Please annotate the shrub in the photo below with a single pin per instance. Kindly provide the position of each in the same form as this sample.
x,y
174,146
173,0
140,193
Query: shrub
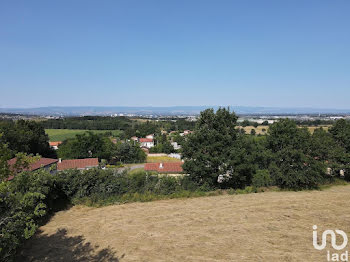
x,y
24,203
262,178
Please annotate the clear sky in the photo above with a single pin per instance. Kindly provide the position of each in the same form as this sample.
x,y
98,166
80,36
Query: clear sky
x,y
292,53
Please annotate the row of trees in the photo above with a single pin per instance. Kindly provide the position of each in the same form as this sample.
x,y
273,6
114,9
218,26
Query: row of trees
x,y
130,127
252,123
100,146
219,155
89,123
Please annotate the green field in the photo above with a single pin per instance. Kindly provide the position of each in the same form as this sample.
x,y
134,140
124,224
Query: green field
x,y
63,134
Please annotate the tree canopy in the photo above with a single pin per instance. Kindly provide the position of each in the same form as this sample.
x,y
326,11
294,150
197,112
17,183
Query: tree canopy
x,y
98,145
207,151
27,137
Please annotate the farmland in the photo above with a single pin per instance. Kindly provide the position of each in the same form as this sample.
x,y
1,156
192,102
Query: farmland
x,y
62,134
263,129
270,226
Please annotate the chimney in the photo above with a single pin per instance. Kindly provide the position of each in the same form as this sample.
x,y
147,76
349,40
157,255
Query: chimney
x,y
60,160
161,165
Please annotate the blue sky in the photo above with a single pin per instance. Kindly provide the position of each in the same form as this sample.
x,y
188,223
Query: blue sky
x,y
292,53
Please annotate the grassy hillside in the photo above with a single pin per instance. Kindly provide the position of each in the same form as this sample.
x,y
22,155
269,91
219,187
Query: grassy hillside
x,y
62,134
271,226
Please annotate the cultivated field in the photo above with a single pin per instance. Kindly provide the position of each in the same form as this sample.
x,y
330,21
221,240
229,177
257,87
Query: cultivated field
x,y
62,134
273,226
263,129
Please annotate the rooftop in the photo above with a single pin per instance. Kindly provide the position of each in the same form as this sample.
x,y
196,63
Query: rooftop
x,y
144,140
77,163
173,167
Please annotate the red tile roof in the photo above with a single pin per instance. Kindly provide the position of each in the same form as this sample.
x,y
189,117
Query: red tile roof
x,y
77,164
143,140
42,162
172,167
56,143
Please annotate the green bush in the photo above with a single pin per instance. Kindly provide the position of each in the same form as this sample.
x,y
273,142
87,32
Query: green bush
x,y
262,178
24,203
29,198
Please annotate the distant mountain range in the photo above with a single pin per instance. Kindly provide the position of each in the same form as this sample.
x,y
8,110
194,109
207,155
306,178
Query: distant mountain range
x,y
164,111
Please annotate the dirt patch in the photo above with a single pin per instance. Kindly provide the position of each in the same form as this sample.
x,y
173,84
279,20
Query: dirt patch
x,y
273,226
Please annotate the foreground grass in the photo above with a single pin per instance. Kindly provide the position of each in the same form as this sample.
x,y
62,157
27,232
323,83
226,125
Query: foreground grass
x,y
269,226
63,134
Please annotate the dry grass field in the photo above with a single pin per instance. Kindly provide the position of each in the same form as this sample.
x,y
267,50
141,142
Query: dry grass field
x,y
259,130
263,129
271,226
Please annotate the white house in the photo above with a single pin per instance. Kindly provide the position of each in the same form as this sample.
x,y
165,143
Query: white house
x,y
175,145
146,142
150,136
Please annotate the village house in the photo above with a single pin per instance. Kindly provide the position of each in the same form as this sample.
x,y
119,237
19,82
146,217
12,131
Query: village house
x,y
171,168
80,164
42,163
150,136
55,145
146,142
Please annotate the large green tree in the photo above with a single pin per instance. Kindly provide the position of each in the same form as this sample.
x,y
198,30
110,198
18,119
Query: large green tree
x,y
341,133
293,166
325,148
207,151
86,145
27,137
126,152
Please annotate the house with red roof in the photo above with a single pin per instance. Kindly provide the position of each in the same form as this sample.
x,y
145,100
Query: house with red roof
x,y
146,142
42,163
54,145
165,168
80,164
150,136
